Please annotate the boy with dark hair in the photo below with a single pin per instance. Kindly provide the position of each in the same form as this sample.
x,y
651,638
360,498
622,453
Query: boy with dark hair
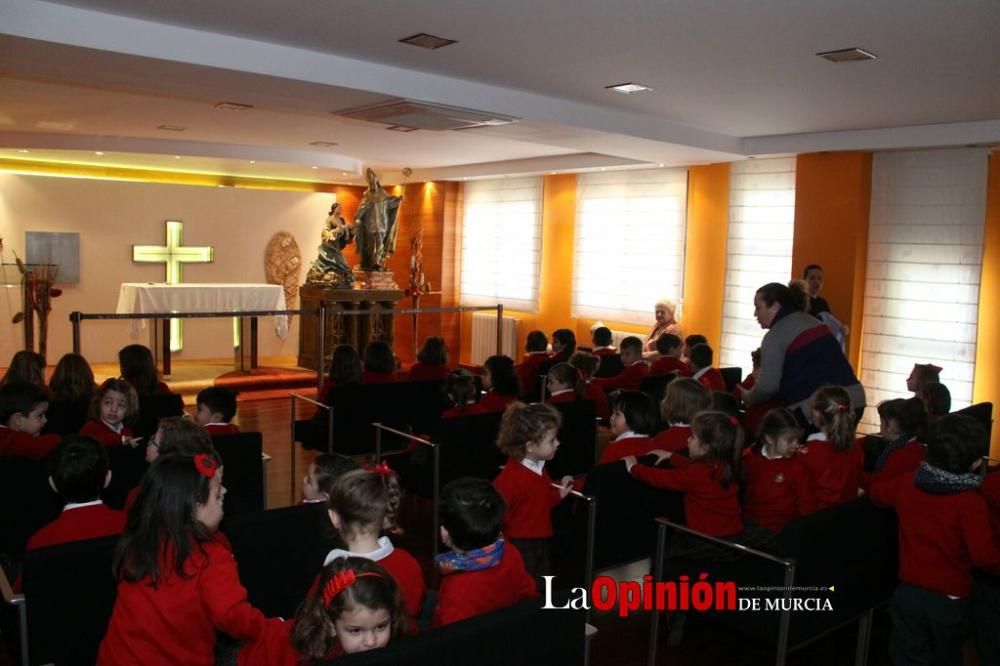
x,y
635,369
669,346
689,342
937,400
482,573
603,342
944,532
216,408
22,417
528,370
79,473
701,363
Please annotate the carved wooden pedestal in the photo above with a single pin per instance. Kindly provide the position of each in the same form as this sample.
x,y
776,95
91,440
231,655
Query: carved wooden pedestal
x,y
343,329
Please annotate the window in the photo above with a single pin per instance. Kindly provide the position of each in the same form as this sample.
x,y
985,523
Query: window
x,y
925,249
629,243
759,249
501,242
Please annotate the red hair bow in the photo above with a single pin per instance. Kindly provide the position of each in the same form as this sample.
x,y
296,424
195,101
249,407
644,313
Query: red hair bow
x,y
205,464
734,421
381,469
338,583
841,408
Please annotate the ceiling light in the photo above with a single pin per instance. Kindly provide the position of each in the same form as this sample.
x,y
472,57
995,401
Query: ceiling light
x,y
323,144
22,150
847,55
401,128
628,88
253,161
177,157
425,41
98,152
661,165
603,169
171,128
233,106
315,167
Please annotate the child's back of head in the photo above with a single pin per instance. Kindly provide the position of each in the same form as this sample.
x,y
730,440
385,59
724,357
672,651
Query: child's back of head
x,y
25,367
668,344
692,340
434,352
684,398
366,500
536,342
503,377
522,424
908,416
601,336
219,402
638,410
472,513
701,356
721,437
586,363
461,387
833,413
138,368
955,443
330,467
72,379
345,365
176,434
19,399
79,469
379,357
936,398
565,339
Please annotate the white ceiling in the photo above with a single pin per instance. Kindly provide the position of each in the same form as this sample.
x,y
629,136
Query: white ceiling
x,y
730,79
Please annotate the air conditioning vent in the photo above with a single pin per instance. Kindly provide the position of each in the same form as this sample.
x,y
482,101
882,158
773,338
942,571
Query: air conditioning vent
x,y
424,116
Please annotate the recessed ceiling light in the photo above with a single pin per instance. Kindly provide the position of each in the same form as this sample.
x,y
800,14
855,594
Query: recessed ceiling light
x,y
847,55
661,165
323,144
253,161
171,128
98,152
233,106
315,167
401,128
22,150
425,41
603,169
628,88
177,157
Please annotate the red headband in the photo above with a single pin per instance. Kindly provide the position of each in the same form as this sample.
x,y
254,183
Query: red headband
x,y
205,464
342,580
381,469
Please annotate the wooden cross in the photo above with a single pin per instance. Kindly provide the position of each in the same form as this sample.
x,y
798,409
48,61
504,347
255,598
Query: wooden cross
x,y
174,254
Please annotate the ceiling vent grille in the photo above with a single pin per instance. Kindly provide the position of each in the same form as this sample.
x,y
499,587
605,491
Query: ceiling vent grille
x,y
847,55
424,116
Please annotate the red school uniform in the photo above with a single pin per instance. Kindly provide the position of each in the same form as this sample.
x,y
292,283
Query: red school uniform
x,y
175,622
495,402
990,490
79,522
458,412
941,537
222,429
711,379
673,439
776,490
528,370
904,460
627,444
466,594
274,648
709,507
530,499
670,365
604,351
420,372
628,379
370,377
17,443
399,564
104,433
835,475
590,392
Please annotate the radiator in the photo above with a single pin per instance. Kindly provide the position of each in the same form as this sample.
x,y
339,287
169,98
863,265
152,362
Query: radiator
x,y
618,336
484,336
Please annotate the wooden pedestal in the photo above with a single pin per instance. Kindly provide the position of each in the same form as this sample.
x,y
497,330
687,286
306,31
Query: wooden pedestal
x,y
341,328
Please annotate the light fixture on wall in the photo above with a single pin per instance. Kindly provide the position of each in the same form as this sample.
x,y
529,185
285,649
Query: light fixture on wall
x,y
629,88
426,41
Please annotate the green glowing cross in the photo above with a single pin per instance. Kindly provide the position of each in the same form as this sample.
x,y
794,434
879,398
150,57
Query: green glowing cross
x,y
174,255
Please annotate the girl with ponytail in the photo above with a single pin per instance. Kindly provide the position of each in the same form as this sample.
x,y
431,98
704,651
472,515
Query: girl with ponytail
x,y
834,460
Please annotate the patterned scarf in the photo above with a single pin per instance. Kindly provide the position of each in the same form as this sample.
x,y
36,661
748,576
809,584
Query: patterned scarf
x,y
890,446
937,481
472,560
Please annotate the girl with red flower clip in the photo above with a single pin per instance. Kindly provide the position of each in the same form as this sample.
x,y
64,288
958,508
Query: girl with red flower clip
x,y
836,463
178,583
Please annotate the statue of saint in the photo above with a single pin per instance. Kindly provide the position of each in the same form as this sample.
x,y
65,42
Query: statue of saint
x,y
375,222
330,267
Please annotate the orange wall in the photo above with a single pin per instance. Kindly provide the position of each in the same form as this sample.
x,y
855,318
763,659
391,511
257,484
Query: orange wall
x,y
986,385
705,251
832,201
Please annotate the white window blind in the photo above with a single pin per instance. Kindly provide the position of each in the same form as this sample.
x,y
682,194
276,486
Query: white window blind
x,y
759,249
501,242
629,243
925,250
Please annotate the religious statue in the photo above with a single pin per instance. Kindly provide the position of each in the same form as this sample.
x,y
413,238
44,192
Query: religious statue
x,y
330,267
375,221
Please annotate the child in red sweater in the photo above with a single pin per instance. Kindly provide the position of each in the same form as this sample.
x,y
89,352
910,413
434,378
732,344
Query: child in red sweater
x,y
432,361
483,572
379,363
22,417
944,532
461,388
115,406
586,365
528,370
633,423
528,438
669,346
684,399
776,485
216,408
835,461
362,506
701,359
322,474
178,582
635,368
900,424
500,383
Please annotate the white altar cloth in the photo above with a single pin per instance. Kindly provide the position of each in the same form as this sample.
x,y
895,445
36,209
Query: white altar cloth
x,y
161,298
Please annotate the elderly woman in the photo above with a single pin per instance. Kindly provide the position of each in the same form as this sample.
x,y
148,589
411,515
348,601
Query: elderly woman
x,y
665,323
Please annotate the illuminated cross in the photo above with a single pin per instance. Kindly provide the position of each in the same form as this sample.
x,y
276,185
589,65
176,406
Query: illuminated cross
x,y
174,255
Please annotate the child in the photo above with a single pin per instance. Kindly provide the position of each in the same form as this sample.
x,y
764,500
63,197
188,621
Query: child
x,y
216,408
586,365
701,365
754,415
483,573
26,367
668,346
685,398
834,460
563,384
937,400
461,388
174,434
345,370
114,407
776,484
528,438
322,474
137,367
633,423
79,474
922,374
363,505
563,345
707,478
72,379
944,532
601,337
178,582
751,379
500,382
901,422
380,364
689,343
432,361
22,417
529,368
635,368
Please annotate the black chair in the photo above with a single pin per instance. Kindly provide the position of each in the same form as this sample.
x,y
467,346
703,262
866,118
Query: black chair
x,y
610,366
66,417
243,471
355,408
26,502
427,400
152,408
982,412
732,377
655,386
577,439
128,465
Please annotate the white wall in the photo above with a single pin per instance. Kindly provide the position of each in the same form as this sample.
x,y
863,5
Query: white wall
x,y
111,216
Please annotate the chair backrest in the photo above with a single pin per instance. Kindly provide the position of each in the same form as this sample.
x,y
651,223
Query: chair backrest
x,y
611,365
577,439
243,471
982,412
655,386
426,400
128,465
66,417
26,502
279,553
732,377
355,408
152,408
468,447
69,592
